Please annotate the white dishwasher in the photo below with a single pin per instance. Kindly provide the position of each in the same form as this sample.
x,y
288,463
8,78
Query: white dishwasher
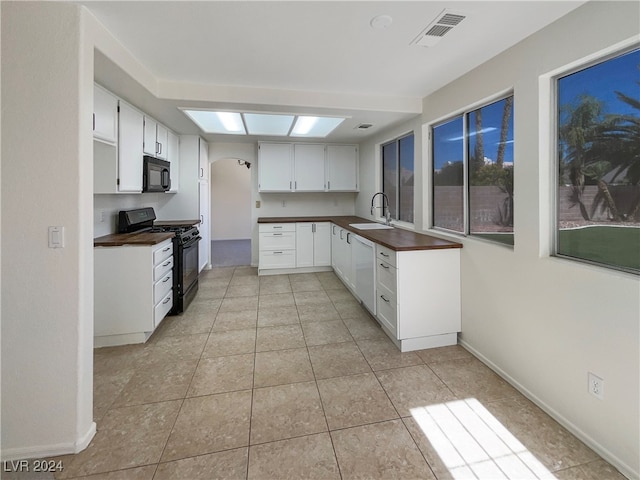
x,y
364,258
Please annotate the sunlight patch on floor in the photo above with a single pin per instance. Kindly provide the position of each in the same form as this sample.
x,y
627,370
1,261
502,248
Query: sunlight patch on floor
x,y
473,444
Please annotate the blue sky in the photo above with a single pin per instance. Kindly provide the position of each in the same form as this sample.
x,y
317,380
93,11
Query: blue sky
x,y
448,141
600,81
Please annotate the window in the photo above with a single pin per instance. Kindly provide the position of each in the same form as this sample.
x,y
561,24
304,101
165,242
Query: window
x,y
598,152
473,172
398,177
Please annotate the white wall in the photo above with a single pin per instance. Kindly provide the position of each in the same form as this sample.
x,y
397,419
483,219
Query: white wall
x,y
230,200
544,322
106,208
47,308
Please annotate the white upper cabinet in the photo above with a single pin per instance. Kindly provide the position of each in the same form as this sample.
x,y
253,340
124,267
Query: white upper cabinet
x,y
155,138
275,167
162,139
118,168
105,115
308,168
342,168
149,141
173,157
130,155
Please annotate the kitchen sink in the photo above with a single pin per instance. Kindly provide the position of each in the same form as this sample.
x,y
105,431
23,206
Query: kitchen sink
x,y
370,226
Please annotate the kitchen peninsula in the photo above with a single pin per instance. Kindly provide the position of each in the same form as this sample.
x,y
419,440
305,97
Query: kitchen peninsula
x,y
413,280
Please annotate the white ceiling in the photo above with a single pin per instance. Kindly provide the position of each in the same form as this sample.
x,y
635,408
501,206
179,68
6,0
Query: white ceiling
x,y
305,57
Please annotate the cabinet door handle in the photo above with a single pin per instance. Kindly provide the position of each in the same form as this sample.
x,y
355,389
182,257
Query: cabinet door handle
x,y
348,235
166,300
333,229
290,188
313,228
166,279
278,226
383,298
166,263
341,234
329,185
94,122
202,172
384,266
278,253
166,249
384,254
201,219
277,234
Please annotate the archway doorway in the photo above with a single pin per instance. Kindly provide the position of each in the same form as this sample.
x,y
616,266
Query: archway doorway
x,y
230,212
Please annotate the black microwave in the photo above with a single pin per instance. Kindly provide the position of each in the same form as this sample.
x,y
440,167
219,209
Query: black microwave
x,y
156,175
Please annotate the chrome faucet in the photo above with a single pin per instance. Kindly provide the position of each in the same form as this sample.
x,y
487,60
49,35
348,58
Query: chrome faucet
x,y
385,206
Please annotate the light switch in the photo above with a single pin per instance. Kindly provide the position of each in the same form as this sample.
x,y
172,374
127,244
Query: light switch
x,y
56,237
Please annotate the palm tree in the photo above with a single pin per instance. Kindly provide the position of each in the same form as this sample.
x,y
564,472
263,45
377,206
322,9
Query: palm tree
x,y
504,130
577,133
615,157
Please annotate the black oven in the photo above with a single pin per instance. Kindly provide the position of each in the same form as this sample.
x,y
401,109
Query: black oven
x,y
186,283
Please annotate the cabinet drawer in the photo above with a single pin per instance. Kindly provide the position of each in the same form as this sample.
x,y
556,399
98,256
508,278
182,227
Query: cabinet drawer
x,y
162,287
276,227
386,255
162,269
387,312
277,241
277,259
163,252
162,308
386,276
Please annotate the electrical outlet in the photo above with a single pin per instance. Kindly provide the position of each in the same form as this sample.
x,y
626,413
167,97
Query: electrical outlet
x,y
257,203
284,203
596,386
103,216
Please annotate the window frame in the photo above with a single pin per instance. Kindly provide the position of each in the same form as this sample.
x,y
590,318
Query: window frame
x,y
555,158
381,146
463,113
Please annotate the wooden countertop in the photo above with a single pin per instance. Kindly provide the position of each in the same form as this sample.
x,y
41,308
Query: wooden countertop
x,y
396,239
120,239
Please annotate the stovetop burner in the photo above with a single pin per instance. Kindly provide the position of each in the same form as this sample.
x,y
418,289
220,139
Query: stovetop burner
x,y
184,233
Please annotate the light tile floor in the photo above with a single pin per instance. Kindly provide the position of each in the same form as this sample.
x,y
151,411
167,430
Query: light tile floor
x,y
287,377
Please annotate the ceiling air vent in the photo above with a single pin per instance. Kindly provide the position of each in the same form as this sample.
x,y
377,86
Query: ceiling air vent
x,y
363,126
438,29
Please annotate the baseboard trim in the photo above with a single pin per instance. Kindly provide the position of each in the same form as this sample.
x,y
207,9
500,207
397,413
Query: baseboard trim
x,y
622,467
46,451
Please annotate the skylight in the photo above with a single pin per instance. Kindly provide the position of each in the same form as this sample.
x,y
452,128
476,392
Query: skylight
x,y
262,124
268,124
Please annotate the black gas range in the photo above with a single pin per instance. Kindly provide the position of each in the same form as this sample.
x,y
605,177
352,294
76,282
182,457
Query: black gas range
x,y
185,250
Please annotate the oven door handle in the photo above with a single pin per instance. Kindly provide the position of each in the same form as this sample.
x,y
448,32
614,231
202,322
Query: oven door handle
x,y
191,242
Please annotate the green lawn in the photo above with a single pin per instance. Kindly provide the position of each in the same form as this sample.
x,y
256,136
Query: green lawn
x,y
618,246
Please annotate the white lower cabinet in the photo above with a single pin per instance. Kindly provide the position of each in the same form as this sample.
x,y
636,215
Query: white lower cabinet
x,y
132,292
342,259
313,244
294,247
277,246
418,296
